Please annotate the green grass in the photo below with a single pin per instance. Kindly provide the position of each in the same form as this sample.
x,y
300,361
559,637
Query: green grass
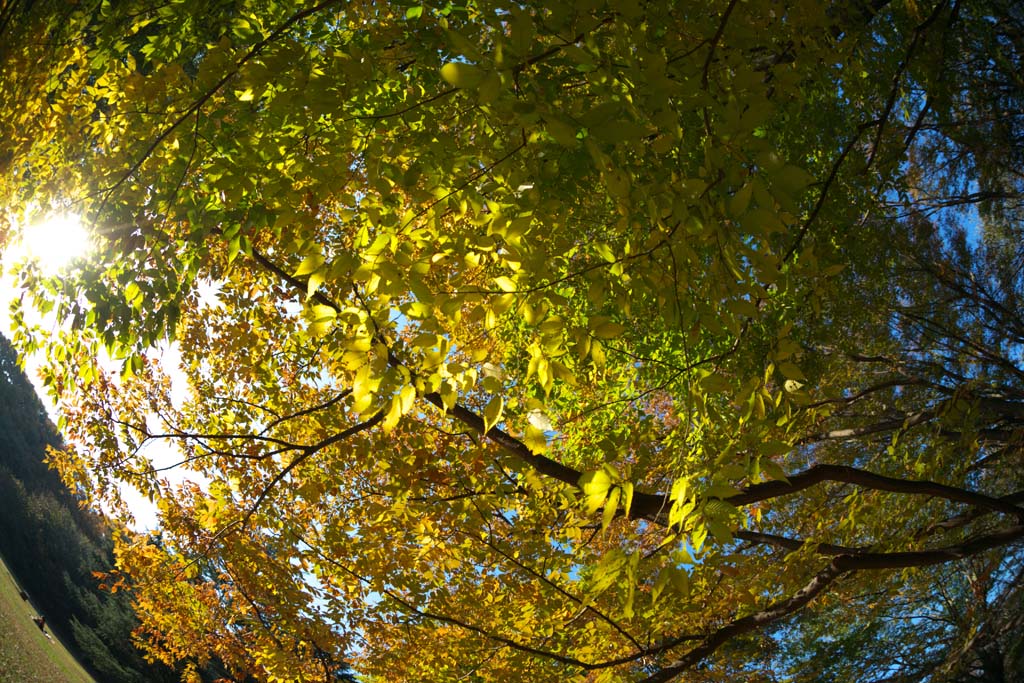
x,y
26,655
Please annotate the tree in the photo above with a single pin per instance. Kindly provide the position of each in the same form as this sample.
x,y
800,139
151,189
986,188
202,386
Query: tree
x,y
589,341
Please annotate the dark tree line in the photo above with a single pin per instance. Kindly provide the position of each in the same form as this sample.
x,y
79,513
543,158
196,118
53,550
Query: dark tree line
x,y
53,546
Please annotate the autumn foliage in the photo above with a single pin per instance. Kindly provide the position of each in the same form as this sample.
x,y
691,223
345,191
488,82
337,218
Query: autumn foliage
x,y
538,341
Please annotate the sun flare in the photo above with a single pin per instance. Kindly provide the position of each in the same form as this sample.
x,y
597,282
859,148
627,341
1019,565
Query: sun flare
x,y
55,241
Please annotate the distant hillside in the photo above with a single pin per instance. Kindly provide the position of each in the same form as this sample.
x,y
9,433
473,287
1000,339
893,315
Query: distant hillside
x,y
52,546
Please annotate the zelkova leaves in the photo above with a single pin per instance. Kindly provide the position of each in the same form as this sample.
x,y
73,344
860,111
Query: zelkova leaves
x,y
560,341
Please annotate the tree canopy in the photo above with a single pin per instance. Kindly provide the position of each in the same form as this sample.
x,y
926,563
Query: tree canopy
x,y
596,340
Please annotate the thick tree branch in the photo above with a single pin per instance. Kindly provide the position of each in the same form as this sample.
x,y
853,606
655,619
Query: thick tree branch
x,y
851,475
925,558
543,465
903,422
793,544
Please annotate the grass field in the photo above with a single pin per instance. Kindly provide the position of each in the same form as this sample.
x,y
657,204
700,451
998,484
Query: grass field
x,y
26,655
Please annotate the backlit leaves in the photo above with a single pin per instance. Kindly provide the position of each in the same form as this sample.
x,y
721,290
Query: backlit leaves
x,y
519,311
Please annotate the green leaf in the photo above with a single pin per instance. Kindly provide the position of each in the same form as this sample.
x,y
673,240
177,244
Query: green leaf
x,y
740,201
424,340
680,579
605,252
563,133
720,530
793,179
609,330
489,88
791,371
773,470
721,491
659,585
715,383
608,570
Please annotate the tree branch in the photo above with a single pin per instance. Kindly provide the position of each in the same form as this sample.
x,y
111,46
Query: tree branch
x,y
851,475
819,583
307,452
904,422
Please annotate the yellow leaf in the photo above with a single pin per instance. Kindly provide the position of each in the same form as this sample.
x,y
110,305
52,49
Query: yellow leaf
x,y
309,265
608,330
544,376
393,415
406,398
610,507
448,395
535,440
315,280
492,412
627,491
321,327
595,487
505,283
462,75
321,312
